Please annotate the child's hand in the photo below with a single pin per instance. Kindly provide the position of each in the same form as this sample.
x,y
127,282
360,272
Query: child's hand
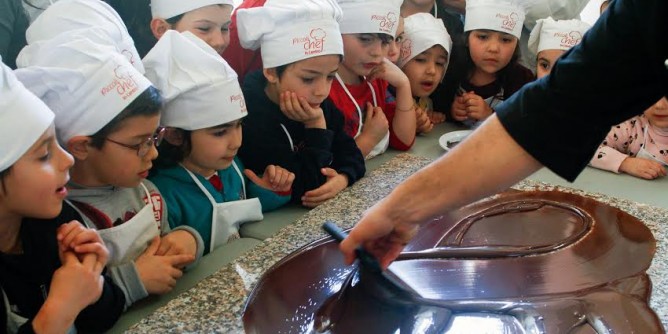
x,y
334,184
177,242
159,273
389,72
77,238
436,117
74,286
275,178
375,124
297,109
423,123
643,168
476,107
458,109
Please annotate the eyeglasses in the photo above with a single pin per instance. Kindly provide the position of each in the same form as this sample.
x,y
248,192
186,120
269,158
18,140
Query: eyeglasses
x,y
145,146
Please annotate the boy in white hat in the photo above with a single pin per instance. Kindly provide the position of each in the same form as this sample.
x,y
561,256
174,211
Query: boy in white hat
x,y
206,19
291,123
197,171
107,114
51,264
488,72
550,39
364,75
73,16
425,53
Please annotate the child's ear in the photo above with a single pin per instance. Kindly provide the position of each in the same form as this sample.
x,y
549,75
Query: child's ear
x,y
78,147
159,27
174,136
271,75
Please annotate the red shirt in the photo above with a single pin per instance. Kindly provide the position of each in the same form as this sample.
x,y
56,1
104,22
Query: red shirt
x,y
362,94
242,60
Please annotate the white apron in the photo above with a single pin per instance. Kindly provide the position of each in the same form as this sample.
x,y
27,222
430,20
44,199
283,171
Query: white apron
x,y
643,153
228,216
129,240
381,147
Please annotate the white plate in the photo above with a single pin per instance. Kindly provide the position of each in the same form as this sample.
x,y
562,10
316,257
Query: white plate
x,y
454,136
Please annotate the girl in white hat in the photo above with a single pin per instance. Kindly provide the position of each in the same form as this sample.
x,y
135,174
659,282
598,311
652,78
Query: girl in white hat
x,y
550,39
425,53
359,90
198,173
50,264
206,19
488,72
639,146
290,121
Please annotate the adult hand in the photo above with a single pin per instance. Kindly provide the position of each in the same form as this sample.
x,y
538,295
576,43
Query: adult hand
x,y
643,168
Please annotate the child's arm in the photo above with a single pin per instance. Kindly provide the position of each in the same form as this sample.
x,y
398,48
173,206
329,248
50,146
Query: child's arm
x,y
273,189
403,123
373,131
614,149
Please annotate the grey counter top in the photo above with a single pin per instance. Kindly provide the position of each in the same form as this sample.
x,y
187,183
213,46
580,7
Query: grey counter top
x,y
216,303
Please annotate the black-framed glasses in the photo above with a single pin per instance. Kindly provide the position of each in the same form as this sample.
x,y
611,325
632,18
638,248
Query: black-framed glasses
x,y
145,146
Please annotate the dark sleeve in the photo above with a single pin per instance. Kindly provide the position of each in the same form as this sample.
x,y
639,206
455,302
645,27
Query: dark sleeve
x,y
13,25
617,72
265,143
348,158
102,315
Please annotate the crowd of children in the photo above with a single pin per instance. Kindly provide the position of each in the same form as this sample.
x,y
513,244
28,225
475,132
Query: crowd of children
x,y
118,173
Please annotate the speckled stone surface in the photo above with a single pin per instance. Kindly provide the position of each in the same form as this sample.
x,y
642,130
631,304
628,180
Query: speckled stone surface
x,y
215,305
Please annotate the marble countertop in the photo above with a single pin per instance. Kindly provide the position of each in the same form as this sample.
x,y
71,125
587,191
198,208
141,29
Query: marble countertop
x,y
216,303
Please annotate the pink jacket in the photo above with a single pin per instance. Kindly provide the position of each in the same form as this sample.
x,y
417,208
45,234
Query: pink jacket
x,y
626,139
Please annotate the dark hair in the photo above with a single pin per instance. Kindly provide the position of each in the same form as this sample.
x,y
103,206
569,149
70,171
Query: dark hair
x,y
281,69
3,175
136,15
148,103
170,155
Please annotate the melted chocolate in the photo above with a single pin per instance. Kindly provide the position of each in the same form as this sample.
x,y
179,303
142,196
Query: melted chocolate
x,y
538,262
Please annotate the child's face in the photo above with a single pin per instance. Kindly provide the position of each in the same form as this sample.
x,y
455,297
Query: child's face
x,y
657,115
117,165
545,60
214,148
426,70
309,78
362,53
490,50
35,186
210,23
394,48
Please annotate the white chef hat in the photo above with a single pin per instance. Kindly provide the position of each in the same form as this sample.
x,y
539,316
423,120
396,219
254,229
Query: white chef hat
x,y
291,30
370,16
85,83
165,9
421,32
66,16
549,34
23,118
200,89
498,15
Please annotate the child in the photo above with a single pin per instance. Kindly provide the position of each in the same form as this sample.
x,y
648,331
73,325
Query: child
x,y
549,39
424,59
394,47
197,171
364,75
639,146
488,73
50,266
72,16
291,123
208,20
107,113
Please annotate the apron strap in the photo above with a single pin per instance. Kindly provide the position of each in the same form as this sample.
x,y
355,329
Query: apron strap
x,y
350,96
292,145
241,176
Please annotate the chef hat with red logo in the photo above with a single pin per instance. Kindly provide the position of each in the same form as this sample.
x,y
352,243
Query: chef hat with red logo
x,y
499,15
549,34
23,118
200,89
370,16
291,30
421,32
85,83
